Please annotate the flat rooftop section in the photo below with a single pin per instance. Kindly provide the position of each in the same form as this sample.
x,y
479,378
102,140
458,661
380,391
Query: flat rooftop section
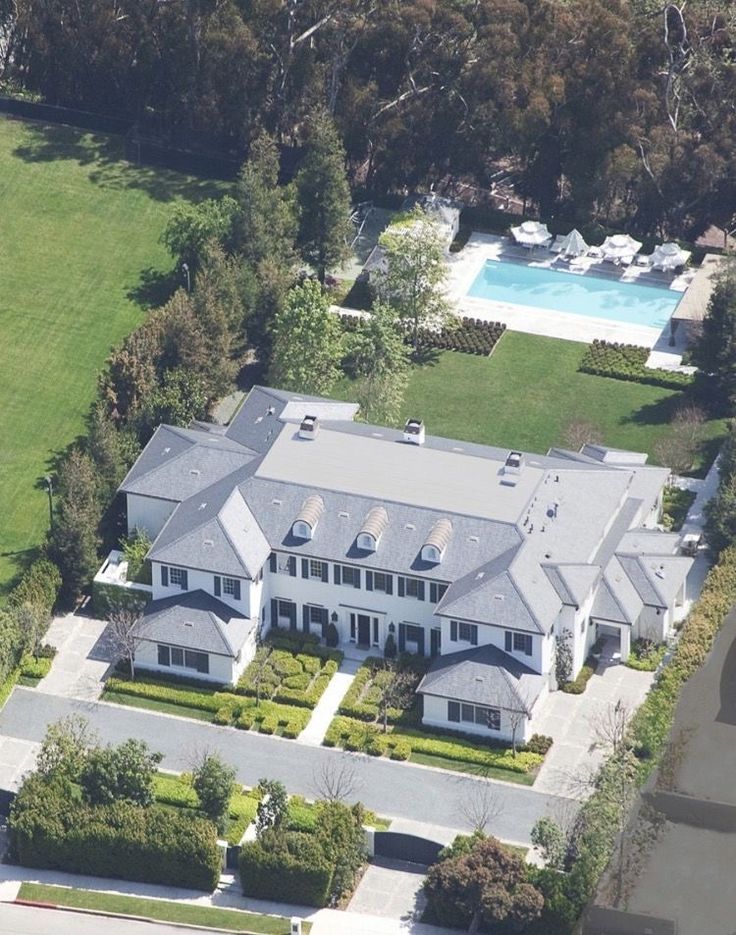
x,y
401,472
694,304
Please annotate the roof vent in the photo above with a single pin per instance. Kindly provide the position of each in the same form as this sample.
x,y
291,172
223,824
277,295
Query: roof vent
x,y
277,502
195,472
481,574
498,597
208,543
414,432
202,505
188,623
514,463
167,450
344,514
473,539
270,411
309,427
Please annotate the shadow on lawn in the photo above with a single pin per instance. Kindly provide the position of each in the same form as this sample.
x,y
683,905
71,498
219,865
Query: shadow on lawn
x,y
105,156
659,413
154,288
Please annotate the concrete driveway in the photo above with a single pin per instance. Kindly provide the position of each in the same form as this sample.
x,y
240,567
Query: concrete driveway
x,y
391,888
83,656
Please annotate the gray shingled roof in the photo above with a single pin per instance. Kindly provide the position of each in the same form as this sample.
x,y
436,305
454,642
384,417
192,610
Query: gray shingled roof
x,y
484,675
195,620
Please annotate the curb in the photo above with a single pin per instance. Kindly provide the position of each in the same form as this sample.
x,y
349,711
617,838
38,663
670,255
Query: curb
x,y
185,926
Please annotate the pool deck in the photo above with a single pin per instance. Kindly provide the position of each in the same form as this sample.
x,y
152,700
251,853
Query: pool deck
x,y
465,266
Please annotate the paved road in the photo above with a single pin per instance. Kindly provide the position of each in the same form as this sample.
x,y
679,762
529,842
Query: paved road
x,y
25,920
392,789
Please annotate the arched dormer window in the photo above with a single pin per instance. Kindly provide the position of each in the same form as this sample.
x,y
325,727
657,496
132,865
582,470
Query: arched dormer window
x,y
366,542
431,554
375,522
433,550
302,530
305,523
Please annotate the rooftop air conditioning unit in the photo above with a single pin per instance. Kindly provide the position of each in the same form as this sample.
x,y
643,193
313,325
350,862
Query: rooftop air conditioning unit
x,y
309,427
414,432
514,463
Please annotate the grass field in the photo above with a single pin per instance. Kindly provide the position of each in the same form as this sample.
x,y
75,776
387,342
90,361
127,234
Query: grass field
x,y
231,920
526,393
79,240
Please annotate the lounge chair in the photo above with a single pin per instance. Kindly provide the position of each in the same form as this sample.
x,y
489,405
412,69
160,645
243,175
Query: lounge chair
x,y
556,245
626,260
641,260
595,252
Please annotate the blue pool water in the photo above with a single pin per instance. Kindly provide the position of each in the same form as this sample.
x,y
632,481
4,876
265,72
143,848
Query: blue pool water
x,y
588,294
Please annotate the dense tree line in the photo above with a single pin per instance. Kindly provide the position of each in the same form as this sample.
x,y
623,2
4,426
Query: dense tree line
x,y
604,111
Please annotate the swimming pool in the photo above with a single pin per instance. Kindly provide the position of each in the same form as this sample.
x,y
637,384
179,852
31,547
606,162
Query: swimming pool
x,y
587,294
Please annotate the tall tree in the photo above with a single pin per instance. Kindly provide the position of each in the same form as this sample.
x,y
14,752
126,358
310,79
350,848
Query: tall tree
x,y
414,278
325,229
307,343
214,783
381,362
715,351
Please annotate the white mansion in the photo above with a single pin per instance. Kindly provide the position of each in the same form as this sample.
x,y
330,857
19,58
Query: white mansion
x,y
294,515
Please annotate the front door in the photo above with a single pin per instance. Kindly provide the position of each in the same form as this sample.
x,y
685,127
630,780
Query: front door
x,y
364,630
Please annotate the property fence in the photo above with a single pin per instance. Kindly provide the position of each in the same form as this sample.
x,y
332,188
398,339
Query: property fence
x,y
407,847
68,116
599,921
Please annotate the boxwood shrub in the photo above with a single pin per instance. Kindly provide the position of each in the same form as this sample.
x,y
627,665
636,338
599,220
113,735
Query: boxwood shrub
x,y
50,830
292,863
628,362
580,683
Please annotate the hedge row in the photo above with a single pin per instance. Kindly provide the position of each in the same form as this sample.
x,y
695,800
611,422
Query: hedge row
x,y
580,683
399,744
469,336
296,641
363,698
178,792
645,656
294,864
52,831
628,362
225,707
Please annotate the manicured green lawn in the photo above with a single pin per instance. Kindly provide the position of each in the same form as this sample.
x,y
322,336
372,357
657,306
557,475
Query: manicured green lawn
x,y
79,228
456,766
527,392
162,910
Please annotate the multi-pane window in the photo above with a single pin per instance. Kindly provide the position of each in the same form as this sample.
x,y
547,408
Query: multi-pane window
x,y
348,575
316,568
436,592
317,615
382,582
286,564
474,714
231,586
523,643
412,587
179,658
178,578
467,632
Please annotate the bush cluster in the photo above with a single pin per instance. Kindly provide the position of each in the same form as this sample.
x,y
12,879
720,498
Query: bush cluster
x,y
363,698
25,620
296,641
178,792
400,743
628,362
287,676
49,830
36,667
645,655
580,683
469,336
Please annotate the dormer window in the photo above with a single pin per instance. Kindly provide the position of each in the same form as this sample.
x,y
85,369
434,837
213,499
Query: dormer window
x,y
375,522
436,543
305,524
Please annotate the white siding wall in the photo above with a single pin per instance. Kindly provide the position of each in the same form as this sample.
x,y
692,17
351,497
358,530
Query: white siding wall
x,y
653,626
148,513
435,715
496,636
250,592
222,669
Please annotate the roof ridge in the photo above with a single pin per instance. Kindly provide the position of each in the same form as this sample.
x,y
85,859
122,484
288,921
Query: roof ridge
x,y
510,573
613,596
226,534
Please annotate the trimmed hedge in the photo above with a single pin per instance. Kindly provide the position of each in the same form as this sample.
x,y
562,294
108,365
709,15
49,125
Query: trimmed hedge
x,y
289,676
579,684
292,863
628,362
645,656
361,700
469,336
400,743
50,830
178,792
35,667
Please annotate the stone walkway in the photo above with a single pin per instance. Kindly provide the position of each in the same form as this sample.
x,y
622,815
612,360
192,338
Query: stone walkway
x,y
83,657
326,708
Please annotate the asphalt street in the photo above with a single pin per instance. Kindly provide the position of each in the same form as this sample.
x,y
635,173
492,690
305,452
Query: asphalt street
x,y
27,920
392,789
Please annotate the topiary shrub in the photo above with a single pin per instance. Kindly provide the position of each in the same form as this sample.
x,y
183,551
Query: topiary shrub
x,y
291,862
332,637
389,648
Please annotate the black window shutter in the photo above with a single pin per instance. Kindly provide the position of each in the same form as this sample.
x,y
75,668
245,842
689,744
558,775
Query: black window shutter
x,y
337,573
508,642
369,581
433,592
218,585
401,586
305,618
453,711
325,572
528,647
292,616
272,561
420,641
237,591
184,580
453,631
389,584
420,590
356,577
274,612
164,576
402,636
292,566
474,635
305,568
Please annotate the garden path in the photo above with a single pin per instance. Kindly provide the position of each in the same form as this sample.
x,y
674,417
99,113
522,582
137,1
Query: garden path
x,y
82,659
326,708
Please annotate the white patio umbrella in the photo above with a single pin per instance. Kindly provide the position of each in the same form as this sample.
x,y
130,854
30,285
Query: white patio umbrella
x,y
573,244
531,234
669,255
619,246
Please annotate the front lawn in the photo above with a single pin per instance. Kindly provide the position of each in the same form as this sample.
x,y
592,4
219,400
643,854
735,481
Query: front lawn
x,y
207,704
178,792
80,232
529,390
232,920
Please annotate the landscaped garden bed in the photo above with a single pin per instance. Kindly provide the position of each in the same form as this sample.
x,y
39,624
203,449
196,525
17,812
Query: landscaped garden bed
x,y
33,668
578,685
219,707
645,655
363,699
675,505
628,362
405,743
177,791
290,669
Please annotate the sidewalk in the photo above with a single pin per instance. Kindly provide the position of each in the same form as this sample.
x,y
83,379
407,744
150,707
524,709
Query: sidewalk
x,y
227,896
326,709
